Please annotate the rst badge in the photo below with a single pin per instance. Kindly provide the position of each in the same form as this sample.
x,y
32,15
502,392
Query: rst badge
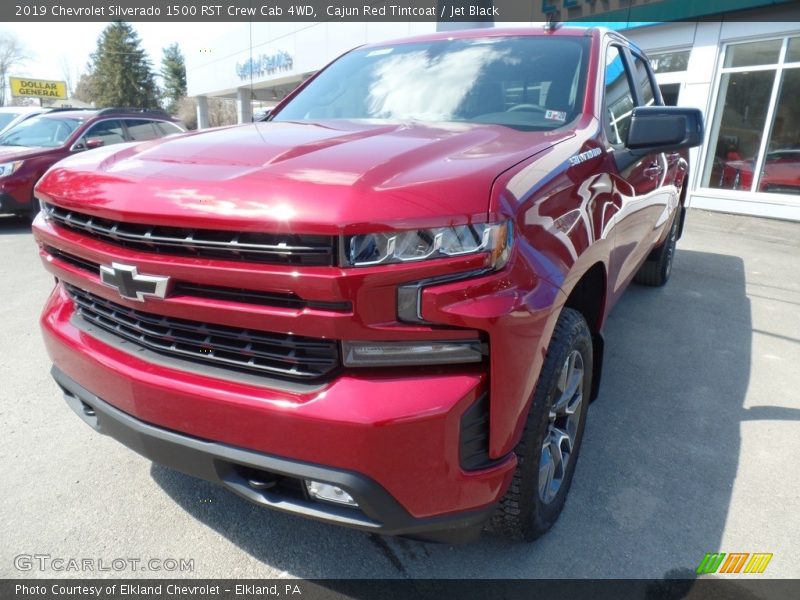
x,y
584,156
131,284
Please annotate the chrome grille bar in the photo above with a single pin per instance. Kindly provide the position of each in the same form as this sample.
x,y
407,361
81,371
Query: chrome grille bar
x,y
300,249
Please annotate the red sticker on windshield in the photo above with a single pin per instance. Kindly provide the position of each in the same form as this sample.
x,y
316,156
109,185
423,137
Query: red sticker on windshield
x,y
555,115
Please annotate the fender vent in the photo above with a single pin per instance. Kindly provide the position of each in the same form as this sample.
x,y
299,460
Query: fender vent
x,y
474,442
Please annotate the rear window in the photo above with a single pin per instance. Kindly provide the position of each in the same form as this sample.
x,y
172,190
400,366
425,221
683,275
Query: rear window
x,y
141,130
167,128
522,82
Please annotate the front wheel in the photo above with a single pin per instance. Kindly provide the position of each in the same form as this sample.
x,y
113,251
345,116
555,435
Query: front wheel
x,y
548,450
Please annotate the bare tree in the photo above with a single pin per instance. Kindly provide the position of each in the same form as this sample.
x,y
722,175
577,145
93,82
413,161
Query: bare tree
x,y
84,89
71,75
12,54
221,111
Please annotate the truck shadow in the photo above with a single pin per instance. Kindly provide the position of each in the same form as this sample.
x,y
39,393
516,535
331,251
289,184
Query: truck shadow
x,y
653,486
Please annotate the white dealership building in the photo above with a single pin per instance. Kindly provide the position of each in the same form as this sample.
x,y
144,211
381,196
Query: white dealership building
x,y
742,71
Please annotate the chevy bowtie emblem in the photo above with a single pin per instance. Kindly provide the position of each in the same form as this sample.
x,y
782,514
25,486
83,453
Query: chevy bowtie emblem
x,y
130,284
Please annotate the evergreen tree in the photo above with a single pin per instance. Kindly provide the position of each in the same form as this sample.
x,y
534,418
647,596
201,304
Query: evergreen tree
x,y
121,73
173,70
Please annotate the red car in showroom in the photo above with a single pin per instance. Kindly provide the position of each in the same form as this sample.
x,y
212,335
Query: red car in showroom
x,y
382,307
31,147
780,174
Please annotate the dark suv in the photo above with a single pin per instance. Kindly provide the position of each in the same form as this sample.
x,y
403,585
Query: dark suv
x,y
384,306
31,147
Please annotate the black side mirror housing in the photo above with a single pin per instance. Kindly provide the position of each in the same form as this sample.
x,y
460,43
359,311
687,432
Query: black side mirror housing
x,y
664,128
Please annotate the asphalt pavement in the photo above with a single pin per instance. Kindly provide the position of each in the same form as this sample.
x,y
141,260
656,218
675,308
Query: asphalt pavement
x,y
692,447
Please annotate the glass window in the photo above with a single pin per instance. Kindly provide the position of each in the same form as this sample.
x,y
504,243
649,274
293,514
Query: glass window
x,y
739,126
670,62
108,131
523,82
643,80
168,128
141,130
781,170
753,53
745,152
6,118
618,98
793,53
40,131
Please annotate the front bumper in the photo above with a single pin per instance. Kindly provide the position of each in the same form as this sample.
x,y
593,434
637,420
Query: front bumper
x,y
9,204
399,430
234,467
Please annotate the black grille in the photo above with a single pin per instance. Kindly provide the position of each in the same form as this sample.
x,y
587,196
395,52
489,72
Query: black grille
x,y
197,290
290,249
279,355
75,261
284,300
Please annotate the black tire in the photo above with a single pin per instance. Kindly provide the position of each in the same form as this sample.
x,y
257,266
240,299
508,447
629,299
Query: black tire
x,y
523,513
656,271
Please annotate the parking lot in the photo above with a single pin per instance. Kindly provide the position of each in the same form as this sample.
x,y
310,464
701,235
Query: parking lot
x,y
692,447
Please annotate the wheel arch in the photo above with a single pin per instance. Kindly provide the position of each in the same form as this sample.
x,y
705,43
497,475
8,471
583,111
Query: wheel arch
x,y
589,296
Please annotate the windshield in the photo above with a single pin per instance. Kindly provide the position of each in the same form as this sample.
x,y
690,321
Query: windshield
x,y
40,131
522,82
6,118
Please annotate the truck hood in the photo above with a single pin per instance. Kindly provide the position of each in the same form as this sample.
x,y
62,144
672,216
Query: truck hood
x,y
324,177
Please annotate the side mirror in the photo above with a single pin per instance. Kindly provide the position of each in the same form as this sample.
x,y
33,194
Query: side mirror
x,y
664,128
94,143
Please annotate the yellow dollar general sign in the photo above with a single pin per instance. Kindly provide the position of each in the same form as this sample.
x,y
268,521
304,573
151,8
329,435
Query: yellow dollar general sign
x,y
38,88
734,562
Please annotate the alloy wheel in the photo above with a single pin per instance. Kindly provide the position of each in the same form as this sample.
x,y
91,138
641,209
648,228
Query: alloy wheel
x,y
562,428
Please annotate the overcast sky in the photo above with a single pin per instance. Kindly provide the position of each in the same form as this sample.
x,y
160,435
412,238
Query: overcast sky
x,y
52,45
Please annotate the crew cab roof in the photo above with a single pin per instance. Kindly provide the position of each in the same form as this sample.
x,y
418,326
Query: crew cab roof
x,y
490,32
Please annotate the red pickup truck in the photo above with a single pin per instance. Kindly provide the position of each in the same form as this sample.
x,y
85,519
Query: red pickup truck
x,y
382,307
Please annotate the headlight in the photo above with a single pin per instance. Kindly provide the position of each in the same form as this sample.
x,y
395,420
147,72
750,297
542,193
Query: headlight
x,y
422,244
9,167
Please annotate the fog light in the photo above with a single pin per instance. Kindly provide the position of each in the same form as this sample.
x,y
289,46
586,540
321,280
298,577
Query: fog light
x,y
329,493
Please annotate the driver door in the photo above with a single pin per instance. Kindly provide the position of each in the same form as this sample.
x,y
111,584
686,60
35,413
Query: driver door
x,y
109,131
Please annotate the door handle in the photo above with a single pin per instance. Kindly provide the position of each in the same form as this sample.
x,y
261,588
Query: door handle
x,y
654,170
